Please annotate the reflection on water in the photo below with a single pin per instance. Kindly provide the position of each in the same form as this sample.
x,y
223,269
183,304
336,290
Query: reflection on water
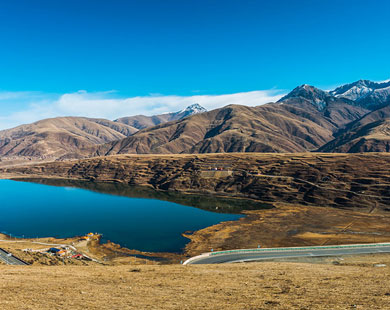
x,y
136,218
204,202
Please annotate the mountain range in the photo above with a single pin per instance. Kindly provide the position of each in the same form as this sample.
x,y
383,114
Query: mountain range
x,y
351,118
76,137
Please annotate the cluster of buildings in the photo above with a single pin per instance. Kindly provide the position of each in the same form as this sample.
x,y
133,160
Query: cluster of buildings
x,y
60,251
66,251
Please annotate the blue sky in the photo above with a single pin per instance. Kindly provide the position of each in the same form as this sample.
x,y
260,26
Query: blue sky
x,y
60,57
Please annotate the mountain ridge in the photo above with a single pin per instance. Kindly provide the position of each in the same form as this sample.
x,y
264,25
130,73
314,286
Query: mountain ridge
x,y
306,119
271,127
367,93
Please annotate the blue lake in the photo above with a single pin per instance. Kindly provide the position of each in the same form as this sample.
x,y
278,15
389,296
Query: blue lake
x,y
36,210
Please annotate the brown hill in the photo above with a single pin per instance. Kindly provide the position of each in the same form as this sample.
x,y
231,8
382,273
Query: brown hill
x,y
294,125
369,134
62,137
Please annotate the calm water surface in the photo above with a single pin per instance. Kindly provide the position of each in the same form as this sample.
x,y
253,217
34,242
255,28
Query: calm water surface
x,y
36,210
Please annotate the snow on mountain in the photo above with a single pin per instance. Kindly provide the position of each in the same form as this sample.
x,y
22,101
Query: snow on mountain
x,y
192,109
367,93
316,96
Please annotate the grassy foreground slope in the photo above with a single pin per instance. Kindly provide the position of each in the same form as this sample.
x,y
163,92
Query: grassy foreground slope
x,y
347,285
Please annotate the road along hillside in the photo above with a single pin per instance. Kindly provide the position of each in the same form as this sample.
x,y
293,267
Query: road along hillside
x,y
247,255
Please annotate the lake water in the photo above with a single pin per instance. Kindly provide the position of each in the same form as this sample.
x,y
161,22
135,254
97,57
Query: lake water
x,y
35,210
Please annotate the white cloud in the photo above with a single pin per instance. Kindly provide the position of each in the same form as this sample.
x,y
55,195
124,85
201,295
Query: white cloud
x,y
108,105
383,81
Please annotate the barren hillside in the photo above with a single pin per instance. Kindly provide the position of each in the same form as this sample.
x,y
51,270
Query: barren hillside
x,y
368,134
62,137
292,127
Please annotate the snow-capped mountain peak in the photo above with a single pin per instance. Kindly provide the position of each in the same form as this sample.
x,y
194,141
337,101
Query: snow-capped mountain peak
x,y
367,93
194,109
188,111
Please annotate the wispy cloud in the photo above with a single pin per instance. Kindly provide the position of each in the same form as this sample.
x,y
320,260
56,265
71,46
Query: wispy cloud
x,y
383,81
31,107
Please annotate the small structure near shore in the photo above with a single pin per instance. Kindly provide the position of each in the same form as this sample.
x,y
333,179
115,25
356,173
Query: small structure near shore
x,y
53,250
91,236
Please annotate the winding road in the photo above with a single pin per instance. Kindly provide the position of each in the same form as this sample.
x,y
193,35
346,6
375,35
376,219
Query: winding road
x,y
9,259
247,255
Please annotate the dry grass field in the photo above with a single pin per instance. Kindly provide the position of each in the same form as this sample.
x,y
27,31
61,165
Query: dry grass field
x,y
269,285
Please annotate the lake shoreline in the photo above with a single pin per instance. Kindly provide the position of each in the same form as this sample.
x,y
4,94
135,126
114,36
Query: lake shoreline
x,y
113,251
107,253
302,225
343,181
314,195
